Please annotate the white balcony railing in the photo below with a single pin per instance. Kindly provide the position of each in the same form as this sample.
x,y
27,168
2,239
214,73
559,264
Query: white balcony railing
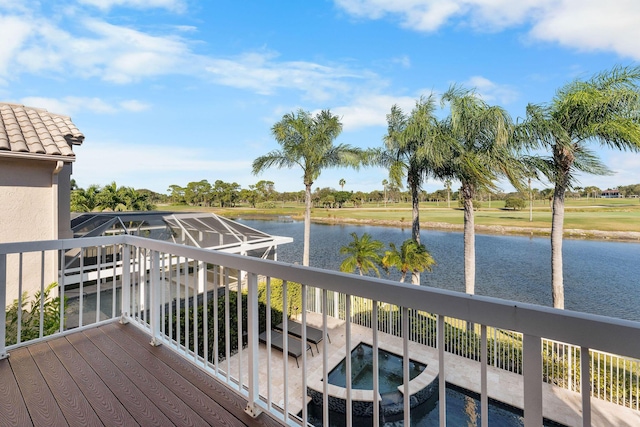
x,y
211,307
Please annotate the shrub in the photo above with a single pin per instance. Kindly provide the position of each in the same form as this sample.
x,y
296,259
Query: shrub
x,y
30,316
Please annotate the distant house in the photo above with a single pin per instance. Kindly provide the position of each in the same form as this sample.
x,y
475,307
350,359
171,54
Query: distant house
x,y
611,194
36,158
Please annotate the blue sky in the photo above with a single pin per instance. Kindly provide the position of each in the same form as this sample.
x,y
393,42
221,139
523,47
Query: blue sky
x,y
172,91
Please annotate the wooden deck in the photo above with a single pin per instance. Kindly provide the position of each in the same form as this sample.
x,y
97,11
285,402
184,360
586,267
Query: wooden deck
x,y
111,376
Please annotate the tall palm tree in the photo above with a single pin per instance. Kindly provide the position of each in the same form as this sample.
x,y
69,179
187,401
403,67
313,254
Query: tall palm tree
x,y
406,135
384,186
342,182
480,154
306,141
604,110
412,257
447,184
363,255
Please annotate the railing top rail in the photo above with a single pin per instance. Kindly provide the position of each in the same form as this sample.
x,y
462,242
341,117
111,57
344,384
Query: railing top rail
x,y
613,335
62,244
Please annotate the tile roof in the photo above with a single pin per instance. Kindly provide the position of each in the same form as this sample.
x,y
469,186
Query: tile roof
x,y
30,130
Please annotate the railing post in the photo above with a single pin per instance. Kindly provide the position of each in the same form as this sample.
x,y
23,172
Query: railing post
x,y
252,342
3,305
442,384
126,285
484,393
154,306
585,385
532,375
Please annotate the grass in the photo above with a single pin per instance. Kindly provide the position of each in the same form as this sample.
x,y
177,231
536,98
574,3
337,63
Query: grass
x,y
621,215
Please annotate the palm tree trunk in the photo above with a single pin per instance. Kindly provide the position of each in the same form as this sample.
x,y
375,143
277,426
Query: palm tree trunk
x,y
469,241
307,224
415,222
557,226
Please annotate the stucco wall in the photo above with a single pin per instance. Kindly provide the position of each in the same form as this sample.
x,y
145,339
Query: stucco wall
x,y
28,211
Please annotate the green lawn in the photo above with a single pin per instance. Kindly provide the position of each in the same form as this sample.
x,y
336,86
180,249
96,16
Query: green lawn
x,y
585,214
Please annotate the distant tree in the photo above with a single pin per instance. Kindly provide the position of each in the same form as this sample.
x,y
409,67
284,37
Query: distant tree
x,y
363,254
84,200
412,257
515,203
342,182
603,110
447,185
306,142
109,198
341,197
177,194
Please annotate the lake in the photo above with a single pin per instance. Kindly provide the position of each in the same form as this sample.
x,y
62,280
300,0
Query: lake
x,y
600,277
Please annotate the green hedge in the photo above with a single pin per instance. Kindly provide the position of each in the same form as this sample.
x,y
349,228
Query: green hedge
x,y
171,320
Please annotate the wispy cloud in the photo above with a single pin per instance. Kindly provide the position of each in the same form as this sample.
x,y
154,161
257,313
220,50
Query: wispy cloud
x,y
491,91
590,25
93,48
172,5
72,104
264,74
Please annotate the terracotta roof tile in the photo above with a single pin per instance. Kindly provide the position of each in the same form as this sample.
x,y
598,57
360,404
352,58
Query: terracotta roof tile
x,y
37,131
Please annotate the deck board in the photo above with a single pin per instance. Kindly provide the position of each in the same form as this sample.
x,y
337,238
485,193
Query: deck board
x,y
74,406
107,407
110,375
134,400
38,397
230,401
13,411
184,390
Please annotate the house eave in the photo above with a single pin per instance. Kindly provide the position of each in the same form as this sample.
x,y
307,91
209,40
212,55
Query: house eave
x,y
35,156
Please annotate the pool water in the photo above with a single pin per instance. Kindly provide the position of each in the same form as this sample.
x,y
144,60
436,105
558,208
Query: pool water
x,y
389,368
463,409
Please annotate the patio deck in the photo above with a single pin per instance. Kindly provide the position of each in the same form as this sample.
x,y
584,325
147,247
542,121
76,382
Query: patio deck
x,y
110,375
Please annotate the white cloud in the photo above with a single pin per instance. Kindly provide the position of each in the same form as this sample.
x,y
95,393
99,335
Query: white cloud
x,y
13,33
580,24
173,5
492,92
71,104
371,110
593,25
134,105
112,53
262,73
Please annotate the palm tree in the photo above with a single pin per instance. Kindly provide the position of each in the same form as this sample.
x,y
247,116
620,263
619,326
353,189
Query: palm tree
x,y
412,257
447,184
406,135
603,110
307,142
479,155
384,186
363,255
342,182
